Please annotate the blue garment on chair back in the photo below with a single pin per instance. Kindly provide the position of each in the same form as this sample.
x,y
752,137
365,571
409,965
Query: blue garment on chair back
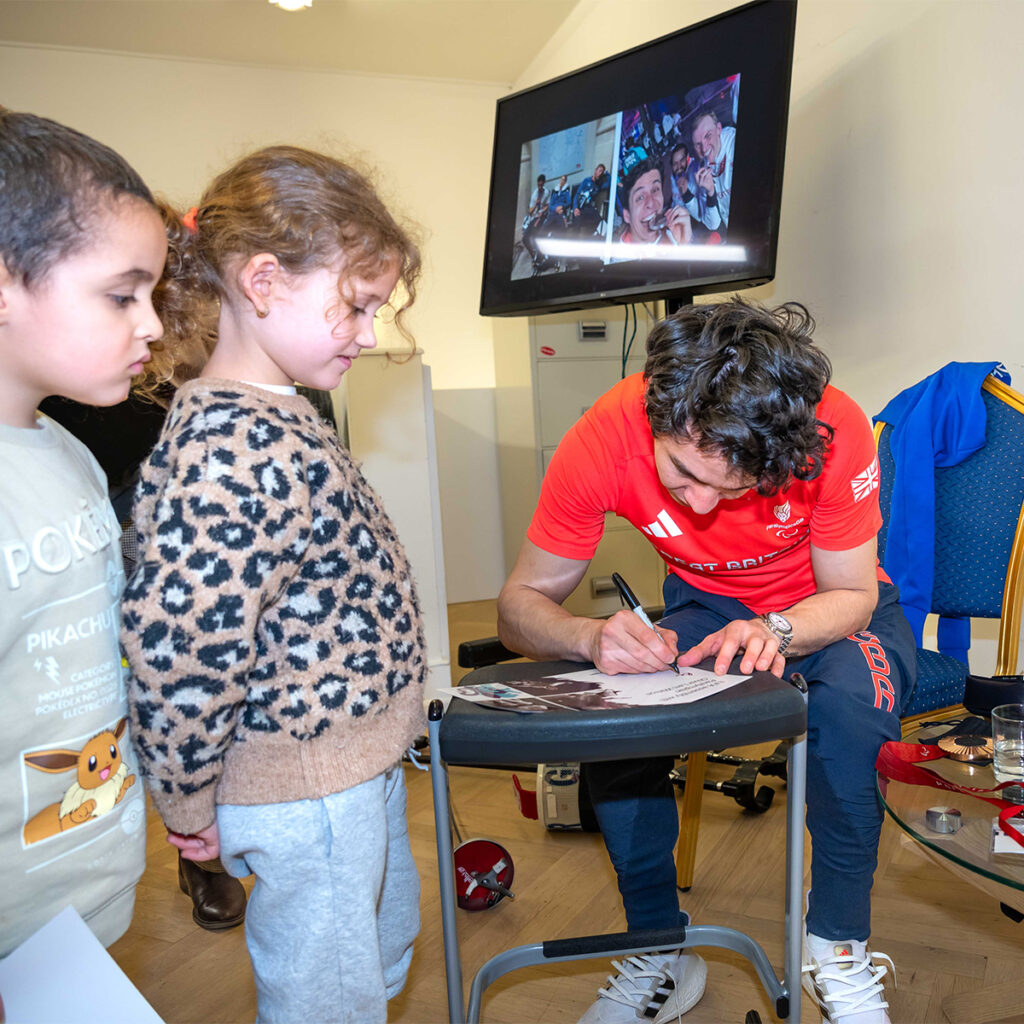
x,y
937,422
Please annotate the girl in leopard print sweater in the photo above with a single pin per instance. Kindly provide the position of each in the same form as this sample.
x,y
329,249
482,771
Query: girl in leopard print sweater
x,y
271,627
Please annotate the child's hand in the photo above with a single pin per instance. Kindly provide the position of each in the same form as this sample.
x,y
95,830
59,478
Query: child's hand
x,y
201,845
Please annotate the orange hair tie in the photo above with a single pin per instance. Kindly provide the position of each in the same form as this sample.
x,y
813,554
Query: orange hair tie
x,y
190,220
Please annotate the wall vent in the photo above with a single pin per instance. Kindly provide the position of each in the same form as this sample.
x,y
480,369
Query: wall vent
x,y
593,330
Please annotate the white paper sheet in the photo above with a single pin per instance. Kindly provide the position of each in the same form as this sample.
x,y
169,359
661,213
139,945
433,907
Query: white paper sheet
x,y
63,975
638,691
589,689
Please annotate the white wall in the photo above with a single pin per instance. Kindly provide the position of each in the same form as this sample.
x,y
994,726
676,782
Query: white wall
x,y
902,216
179,122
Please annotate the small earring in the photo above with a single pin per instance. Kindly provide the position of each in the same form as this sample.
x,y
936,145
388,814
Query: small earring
x,y
263,313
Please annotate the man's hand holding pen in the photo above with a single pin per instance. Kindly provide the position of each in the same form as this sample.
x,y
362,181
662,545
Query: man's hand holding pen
x,y
623,644
630,642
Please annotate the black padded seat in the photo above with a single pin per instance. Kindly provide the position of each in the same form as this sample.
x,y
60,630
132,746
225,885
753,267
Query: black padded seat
x,y
761,709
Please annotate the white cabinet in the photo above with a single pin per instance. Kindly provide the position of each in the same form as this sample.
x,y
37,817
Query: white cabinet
x,y
548,372
385,408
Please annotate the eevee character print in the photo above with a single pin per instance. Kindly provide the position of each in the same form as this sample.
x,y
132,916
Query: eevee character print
x,y
101,782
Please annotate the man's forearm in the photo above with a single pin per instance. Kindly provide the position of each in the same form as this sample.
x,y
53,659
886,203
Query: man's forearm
x,y
537,627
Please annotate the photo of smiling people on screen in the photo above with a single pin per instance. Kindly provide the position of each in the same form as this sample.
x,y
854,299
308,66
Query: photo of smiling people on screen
x,y
646,216
675,167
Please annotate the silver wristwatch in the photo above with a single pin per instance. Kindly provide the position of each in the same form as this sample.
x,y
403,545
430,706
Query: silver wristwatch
x,y
781,627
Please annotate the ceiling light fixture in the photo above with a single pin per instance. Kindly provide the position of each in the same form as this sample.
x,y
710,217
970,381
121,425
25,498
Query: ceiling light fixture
x,y
292,5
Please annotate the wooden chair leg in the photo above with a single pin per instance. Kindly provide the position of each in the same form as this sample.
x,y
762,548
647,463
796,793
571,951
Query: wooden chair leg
x,y
689,819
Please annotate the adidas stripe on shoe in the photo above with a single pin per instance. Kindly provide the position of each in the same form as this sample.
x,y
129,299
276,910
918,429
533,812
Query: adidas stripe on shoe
x,y
650,989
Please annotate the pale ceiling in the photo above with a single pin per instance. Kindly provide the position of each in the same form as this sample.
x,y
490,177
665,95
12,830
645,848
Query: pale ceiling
x,y
470,40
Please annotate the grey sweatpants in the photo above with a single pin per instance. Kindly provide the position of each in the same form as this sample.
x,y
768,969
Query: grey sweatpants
x,y
335,904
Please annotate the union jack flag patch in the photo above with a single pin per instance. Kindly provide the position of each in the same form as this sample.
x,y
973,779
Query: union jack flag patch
x,y
866,482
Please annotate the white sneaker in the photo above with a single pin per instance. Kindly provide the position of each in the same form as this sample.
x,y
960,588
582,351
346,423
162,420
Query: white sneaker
x,y
653,989
846,983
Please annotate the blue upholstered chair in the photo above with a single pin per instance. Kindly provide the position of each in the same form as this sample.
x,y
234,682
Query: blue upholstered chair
x,y
979,543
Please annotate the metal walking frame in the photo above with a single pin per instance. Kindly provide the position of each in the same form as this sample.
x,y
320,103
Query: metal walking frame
x,y
761,709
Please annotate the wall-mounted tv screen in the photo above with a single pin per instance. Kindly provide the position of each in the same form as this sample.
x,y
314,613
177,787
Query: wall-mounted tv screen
x,y
655,173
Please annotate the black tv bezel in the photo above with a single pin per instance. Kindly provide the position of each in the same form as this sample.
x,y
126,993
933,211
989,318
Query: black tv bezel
x,y
680,289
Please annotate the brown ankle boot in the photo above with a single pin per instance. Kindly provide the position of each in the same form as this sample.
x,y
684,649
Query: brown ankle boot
x,y
218,900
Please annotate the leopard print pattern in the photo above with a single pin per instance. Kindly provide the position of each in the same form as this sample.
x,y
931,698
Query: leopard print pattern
x,y
272,601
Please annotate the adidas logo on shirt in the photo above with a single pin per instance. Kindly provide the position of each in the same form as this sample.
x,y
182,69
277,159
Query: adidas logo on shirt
x,y
663,526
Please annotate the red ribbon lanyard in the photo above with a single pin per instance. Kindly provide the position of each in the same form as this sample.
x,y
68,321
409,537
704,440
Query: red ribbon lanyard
x,y
896,761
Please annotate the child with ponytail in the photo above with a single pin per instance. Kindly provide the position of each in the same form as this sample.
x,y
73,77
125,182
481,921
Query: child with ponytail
x,y
271,627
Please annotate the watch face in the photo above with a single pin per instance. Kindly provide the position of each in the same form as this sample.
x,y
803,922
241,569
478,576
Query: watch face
x,y
779,622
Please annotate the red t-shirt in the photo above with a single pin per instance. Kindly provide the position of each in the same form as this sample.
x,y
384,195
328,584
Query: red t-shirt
x,y
752,548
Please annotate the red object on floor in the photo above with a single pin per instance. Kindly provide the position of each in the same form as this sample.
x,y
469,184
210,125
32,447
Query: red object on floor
x,y
483,873
526,799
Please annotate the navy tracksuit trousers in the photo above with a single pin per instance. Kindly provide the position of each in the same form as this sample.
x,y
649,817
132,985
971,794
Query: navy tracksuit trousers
x,y
857,686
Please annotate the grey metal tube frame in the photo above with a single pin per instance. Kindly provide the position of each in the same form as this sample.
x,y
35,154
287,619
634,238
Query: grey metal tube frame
x,y
785,992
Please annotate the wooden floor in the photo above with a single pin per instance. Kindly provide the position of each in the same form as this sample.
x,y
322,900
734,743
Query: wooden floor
x,y
944,935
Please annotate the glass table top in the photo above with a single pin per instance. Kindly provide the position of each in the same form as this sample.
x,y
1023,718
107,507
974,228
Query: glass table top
x,y
971,846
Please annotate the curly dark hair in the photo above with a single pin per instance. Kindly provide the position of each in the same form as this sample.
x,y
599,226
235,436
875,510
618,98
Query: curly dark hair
x,y
744,382
633,175
55,183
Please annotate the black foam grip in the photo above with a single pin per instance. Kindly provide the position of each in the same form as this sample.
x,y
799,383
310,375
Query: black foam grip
x,y
488,650
655,938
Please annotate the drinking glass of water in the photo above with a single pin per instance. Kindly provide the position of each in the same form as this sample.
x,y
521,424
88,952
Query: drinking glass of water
x,y
1008,736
